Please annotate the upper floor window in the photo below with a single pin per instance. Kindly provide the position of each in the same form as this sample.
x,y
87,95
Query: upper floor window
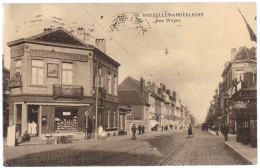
x,y
115,85
37,72
18,64
240,76
109,89
67,73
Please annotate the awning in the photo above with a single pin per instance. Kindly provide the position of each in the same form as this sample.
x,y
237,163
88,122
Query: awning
x,y
57,104
153,123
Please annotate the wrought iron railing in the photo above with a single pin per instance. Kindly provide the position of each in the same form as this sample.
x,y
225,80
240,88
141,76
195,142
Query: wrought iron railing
x,y
68,91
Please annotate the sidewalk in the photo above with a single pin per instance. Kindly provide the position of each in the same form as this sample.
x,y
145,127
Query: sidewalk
x,y
37,141
245,151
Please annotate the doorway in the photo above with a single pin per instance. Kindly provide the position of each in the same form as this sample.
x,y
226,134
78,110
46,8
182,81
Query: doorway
x,y
32,120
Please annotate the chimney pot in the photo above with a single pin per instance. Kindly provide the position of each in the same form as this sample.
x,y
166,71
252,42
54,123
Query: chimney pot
x,y
101,45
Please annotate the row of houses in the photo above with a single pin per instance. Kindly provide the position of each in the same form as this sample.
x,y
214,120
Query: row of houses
x,y
234,102
66,86
155,107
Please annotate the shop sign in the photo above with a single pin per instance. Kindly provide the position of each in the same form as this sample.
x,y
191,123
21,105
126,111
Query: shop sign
x,y
66,113
240,105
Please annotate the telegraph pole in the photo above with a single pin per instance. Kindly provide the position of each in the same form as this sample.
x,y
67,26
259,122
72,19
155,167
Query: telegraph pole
x,y
97,83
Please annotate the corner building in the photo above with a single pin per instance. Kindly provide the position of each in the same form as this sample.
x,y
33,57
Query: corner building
x,y
53,83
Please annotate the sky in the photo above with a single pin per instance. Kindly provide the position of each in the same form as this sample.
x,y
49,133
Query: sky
x,y
197,47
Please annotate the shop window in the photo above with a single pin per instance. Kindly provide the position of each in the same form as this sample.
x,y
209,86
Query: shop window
x,y
108,119
114,119
67,73
121,121
66,120
37,72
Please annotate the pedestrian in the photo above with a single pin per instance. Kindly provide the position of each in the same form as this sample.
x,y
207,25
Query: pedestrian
x,y
216,129
134,131
139,129
100,132
224,131
189,131
143,129
162,127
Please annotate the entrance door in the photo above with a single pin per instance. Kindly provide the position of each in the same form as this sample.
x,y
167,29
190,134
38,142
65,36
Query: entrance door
x,y
32,119
19,119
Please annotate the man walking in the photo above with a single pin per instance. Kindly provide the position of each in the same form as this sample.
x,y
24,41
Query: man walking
x,y
134,131
224,131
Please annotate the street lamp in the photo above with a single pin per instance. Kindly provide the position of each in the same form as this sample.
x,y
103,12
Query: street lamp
x,y
97,83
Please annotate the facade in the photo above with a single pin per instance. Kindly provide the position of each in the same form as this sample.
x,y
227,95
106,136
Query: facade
x,y
134,97
53,81
6,92
235,102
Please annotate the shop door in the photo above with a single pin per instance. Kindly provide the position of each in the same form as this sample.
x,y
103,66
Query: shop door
x,y
19,119
32,120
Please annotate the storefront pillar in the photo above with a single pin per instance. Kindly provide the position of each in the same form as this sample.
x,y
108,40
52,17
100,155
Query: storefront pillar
x,y
40,121
24,118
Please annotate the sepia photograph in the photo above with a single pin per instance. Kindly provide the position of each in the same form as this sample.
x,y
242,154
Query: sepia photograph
x,y
129,84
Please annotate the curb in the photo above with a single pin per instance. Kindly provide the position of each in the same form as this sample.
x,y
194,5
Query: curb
x,y
241,154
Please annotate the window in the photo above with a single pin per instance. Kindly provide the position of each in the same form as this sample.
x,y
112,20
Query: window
x,y
108,119
240,76
67,73
129,110
121,121
115,85
109,83
18,64
37,72
114,119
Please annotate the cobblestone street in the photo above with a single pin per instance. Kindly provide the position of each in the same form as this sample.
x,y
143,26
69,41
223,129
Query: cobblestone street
x,y
153,149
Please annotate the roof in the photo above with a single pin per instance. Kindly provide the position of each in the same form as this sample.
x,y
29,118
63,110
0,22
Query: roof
x,y
62,38
243,55
58,36
130,97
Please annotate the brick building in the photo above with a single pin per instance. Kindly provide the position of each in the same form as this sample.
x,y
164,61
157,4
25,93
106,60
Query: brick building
x,y
53,83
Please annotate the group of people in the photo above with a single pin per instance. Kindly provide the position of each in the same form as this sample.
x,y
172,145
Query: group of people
x,y
140,130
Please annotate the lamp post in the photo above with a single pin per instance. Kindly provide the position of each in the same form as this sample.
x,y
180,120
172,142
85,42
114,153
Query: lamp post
x,y
97,83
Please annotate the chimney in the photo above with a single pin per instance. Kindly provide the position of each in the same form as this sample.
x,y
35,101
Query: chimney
x,y
47,29
149,83
101,45
168,91
174,94
81,34
142,84
233,53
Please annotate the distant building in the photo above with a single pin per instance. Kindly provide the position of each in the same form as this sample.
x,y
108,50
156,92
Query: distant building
x,y
53,83
238,94
6,92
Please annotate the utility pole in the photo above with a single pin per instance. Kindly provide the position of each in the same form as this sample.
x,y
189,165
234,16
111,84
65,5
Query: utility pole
x,y
97,83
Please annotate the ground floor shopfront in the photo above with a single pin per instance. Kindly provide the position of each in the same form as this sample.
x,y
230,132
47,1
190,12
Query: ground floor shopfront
x,y
40,116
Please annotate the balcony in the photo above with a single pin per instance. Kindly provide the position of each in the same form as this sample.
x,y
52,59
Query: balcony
x,y
68,91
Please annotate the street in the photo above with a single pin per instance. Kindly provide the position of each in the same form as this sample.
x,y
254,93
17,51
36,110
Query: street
x,y
167,148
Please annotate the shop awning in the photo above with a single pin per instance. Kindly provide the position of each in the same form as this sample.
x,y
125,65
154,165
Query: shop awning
x,y
153,123
57,104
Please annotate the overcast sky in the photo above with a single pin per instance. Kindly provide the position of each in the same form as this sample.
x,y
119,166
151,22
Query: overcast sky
x,y
198,47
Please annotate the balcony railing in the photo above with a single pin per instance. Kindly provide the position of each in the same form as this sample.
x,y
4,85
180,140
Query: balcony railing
x,y
68,91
